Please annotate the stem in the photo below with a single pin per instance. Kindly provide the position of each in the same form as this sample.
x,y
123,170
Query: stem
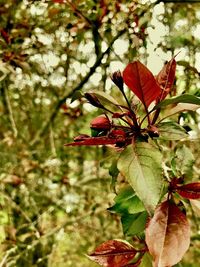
x,y
130,109
120,118
12,121
156,115
52,142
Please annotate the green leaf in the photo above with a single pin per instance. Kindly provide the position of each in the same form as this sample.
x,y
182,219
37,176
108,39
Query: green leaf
x,y
171,130
184,160
179,108
187,66
106,100
134,224
141,164
186,98
127,202
146,260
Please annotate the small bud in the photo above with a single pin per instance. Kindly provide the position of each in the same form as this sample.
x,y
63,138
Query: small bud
x,y
117,78
120,137
100,123
118,133
93,100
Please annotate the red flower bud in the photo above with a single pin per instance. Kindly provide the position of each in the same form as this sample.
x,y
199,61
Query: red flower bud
x,y
120,137
118,134
117,78
100,123
93,100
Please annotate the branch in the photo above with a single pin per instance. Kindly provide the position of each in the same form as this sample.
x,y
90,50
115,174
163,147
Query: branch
x,y
10,112
52,142
53,115
78,12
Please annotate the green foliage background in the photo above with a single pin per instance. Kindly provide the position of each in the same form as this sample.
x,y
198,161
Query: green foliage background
x,y
54,199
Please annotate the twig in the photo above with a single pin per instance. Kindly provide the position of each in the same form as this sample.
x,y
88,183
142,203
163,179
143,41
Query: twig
x,y
52,142
10,113
50,233
8,252
78,12
18,208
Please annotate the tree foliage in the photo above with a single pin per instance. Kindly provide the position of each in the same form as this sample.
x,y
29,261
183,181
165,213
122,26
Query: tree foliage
x,y
56,56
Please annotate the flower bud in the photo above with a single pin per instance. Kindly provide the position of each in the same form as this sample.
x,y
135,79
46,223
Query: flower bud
x,y
120,137
117,78
118,133
100,123
93,100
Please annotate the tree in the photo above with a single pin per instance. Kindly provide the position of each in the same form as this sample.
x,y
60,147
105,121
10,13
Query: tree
x,y
52,52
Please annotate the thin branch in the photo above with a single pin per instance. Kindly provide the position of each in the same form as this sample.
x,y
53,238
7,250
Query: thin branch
x,y
78,12
18,209
52,142
53,115
66,223
7,254
10,113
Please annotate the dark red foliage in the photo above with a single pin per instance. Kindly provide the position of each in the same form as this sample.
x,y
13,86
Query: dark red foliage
x,y
190,191
114,253
142,82
102,140
165,78
167,235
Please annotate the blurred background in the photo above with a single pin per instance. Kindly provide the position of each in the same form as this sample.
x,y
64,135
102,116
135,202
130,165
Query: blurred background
x,y
53,198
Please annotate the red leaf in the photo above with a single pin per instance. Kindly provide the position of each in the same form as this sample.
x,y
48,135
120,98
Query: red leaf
x,y
167,235
113,253
96,141
142,82
93,141
190,191
165,78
